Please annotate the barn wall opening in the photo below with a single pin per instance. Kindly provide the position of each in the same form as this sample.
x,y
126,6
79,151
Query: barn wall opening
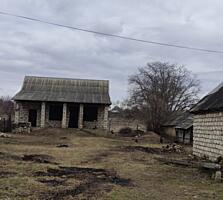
x,y
56,112
33,117
73,116
90,113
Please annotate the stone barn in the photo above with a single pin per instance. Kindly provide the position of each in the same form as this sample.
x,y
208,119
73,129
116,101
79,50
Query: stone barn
x,y
63,103
208,125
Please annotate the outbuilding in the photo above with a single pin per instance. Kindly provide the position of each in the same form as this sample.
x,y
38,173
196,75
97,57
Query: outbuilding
x,y
179,127
208,125
63,103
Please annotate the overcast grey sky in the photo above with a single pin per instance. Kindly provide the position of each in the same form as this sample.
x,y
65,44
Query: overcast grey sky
x,y
32,48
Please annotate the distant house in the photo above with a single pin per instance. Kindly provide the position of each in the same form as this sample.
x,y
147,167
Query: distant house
x,y
179,128
63,103
208,125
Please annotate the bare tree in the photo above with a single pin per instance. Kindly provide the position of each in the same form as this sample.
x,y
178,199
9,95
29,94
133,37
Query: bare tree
x,y
6,105
160,89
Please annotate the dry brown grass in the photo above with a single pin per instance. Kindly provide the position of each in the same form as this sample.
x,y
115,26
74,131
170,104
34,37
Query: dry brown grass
x,y
149,178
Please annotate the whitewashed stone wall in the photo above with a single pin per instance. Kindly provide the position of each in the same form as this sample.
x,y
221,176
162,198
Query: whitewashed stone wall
x,y
102,121
23,111
22,115
90,125
208,135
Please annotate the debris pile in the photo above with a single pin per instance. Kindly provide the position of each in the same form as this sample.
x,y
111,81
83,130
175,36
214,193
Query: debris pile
x,y
142,149
4,135
173,148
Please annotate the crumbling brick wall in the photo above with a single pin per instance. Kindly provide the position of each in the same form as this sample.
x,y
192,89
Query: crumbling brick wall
x,y
208,135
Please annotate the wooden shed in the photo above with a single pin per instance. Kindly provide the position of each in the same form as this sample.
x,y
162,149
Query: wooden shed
x,y
179,127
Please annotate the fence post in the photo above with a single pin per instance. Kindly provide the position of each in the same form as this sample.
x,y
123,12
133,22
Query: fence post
x,y
3,125
10,124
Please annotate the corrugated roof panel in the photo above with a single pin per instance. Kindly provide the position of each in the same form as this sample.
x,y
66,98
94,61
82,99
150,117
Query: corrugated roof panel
x,y
212,102
64,90
183,120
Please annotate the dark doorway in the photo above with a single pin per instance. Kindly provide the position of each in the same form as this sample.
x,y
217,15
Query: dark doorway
x,y
56,112
33,117
74,114
90,113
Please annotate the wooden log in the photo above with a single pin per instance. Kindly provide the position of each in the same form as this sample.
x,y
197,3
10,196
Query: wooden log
x,y
187,163
211,166
178,162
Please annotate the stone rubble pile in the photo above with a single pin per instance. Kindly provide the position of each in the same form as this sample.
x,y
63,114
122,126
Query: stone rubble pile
x,y
173,148
4,135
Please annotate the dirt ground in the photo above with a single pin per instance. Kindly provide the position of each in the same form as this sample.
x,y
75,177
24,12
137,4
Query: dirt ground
x,y
70,164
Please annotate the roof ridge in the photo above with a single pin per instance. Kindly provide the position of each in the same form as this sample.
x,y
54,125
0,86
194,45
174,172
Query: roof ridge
x,y
216,89
60,78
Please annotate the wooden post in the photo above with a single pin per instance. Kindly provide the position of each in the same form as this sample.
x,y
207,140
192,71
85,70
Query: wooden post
x,y
4,125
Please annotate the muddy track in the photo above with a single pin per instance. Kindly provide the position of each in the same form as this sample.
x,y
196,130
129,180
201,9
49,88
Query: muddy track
x,y
38,158
93,182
